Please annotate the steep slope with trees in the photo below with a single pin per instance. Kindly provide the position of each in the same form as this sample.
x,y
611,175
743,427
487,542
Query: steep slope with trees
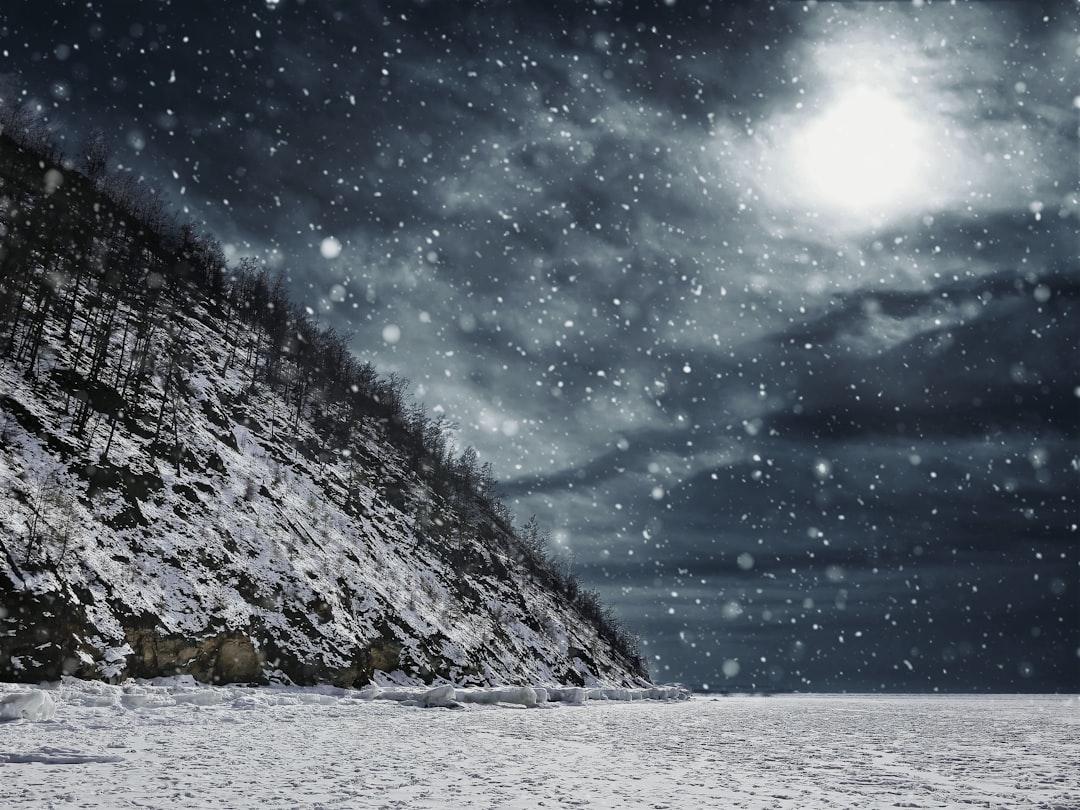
x,y
196,477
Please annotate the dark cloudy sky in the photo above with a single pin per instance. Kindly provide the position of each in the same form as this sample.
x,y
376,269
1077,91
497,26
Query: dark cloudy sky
x,y
769,314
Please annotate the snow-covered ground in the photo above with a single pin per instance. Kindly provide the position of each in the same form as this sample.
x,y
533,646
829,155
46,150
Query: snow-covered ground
x,y
179,744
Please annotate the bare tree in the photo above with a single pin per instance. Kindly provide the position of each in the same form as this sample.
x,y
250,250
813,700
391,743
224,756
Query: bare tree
x,y
52,525
93,158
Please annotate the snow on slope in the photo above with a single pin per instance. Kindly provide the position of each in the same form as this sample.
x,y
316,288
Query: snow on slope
x,y
178,743
253,552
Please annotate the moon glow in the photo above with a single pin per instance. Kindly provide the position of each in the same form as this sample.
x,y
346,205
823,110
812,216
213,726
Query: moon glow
x,y
866,155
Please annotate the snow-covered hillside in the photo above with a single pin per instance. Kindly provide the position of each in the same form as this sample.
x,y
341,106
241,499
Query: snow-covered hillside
x,y
179,495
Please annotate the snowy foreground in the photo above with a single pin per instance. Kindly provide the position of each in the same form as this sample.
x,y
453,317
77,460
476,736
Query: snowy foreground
x,y
178,744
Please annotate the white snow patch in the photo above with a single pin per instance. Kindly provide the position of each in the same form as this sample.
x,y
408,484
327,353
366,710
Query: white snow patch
x,y
251,748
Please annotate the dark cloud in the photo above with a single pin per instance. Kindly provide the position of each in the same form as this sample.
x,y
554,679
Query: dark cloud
x,y
760,419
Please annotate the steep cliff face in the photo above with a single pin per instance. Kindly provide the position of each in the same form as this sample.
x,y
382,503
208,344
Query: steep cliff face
x,y
179,493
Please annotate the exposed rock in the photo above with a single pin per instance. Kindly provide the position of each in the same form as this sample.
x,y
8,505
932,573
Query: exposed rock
x,y
43,636
226,658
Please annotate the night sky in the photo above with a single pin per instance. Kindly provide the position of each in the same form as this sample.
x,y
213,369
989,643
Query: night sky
x,y
770,315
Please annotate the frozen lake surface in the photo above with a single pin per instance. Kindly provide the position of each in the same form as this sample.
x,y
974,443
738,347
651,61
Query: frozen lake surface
x,y
185,745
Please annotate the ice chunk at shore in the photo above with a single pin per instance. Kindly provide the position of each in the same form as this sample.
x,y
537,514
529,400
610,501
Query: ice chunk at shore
x,y
38,705
522,695
34,705
529,696
439,696
569,694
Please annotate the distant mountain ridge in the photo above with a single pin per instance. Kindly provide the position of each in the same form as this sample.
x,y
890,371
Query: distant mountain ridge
x,y
196,478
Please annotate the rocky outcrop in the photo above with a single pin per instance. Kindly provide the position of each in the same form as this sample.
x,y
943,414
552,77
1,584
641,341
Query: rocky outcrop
x,y
44,636
225,658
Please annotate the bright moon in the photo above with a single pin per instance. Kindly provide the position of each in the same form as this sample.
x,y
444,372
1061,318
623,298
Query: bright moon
x,y
867,155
